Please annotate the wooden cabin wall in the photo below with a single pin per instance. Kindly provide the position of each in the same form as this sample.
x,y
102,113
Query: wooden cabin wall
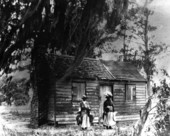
x,y
119,97
92,92
66,108
140,95
128,107
62,98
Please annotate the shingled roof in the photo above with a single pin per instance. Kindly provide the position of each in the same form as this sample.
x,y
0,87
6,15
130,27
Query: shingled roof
x,y
88,69
123,71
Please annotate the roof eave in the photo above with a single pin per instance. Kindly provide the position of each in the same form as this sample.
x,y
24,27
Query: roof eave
x,y
109,71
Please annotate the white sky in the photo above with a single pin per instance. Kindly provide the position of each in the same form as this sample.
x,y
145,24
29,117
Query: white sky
x,y
161,18
163,5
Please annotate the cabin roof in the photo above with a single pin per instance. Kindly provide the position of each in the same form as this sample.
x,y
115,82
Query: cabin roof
x,y
123,71
88,69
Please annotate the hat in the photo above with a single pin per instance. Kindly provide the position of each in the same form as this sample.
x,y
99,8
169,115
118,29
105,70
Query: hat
x,y
108,94
84,97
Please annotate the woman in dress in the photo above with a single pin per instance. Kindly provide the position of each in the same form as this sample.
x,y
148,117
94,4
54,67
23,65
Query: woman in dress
x,y
85,113
108,112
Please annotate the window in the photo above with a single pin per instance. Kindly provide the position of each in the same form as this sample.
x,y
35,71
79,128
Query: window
x,y
130,92
78,90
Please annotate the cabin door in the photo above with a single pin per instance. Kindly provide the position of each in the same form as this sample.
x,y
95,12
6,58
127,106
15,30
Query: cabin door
x,y
104,89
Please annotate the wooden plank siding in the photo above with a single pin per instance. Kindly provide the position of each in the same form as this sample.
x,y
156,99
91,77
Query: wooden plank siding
x,y
119,97
92,92
125,107
66,108
140,95
63,101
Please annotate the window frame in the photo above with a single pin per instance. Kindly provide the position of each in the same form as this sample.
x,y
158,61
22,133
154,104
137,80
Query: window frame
x,y
72,86
132,95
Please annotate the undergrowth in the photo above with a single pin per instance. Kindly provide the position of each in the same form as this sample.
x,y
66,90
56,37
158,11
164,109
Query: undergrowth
x,y
68,132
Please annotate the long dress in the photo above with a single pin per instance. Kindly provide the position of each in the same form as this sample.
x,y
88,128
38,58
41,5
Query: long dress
x,y
85,109
108,116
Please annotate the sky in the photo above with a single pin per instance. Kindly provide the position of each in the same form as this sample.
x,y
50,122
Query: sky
x,y
161,18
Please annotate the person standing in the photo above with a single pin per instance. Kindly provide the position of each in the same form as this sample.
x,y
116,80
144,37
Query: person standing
x,y
85,113
108,115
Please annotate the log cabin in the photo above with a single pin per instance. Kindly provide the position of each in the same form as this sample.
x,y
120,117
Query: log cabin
x,y
94,78
89,78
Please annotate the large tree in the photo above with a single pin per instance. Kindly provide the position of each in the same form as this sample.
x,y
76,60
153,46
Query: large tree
x,y
33,27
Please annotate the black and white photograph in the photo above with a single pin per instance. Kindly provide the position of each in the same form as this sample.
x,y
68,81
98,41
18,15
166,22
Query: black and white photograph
x,y
84,68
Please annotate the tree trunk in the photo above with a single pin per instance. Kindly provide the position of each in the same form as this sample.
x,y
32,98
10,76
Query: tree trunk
x,y
40,82
148,88
143,117
34,122
34,103
147,54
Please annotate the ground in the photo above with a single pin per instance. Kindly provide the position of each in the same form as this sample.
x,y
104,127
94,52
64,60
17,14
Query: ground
x,y
15,123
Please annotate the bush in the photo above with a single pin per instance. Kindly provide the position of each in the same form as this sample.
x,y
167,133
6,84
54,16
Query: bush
x,y
16,92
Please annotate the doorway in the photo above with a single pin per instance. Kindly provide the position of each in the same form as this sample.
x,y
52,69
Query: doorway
x,y
104,89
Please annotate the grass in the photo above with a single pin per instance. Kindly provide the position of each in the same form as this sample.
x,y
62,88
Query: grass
x,y
46,130
69,132
73,131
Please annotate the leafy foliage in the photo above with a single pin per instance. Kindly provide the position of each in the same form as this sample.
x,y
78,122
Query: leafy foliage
x,y
155,115
16,92
73,27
